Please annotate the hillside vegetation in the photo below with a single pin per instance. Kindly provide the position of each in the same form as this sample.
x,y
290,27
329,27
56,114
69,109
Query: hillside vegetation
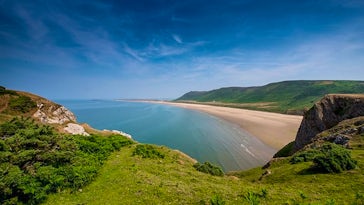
x,y
40,165
285,97
127,178
14,103
36,161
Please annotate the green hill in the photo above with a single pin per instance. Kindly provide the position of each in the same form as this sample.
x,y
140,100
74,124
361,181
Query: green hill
x,y
284,97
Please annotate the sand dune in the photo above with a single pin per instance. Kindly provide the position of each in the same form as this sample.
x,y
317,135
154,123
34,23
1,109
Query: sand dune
x,y
275,130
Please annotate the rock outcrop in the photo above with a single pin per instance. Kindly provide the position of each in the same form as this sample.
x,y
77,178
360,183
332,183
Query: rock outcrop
x,y
75,129
327,113
53,114
48,112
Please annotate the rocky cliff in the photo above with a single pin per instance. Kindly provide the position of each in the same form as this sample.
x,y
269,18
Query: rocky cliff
x,y
327,113
53,114
18,103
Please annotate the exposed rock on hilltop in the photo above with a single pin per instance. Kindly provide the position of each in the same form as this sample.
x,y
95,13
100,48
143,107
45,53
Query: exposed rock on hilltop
x,y
18,103
54,114
74,128
348,133
327,113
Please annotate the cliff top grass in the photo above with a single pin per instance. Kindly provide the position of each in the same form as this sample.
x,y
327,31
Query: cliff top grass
x,y
150,174
128,179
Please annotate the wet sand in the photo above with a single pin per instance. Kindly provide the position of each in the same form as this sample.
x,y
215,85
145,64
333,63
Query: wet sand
x,y
275,130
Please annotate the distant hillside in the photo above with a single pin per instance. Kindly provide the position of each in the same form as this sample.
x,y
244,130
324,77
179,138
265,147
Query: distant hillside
x,y
285,97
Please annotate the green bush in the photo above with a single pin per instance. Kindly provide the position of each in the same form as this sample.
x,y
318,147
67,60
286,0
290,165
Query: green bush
x,y
147,151
333,159
305,156
36,161
209,168
329,158
22,104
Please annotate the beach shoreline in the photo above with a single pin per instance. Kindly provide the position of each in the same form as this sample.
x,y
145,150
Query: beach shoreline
x,y
274,129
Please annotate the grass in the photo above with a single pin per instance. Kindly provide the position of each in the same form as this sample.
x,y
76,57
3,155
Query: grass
x,y
128,179
131,179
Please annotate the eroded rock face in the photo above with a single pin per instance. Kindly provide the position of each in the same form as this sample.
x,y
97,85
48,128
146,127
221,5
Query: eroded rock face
x,y
54,114
75,129
327,113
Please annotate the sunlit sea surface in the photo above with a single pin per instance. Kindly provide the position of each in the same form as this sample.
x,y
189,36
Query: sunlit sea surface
x,y
201,136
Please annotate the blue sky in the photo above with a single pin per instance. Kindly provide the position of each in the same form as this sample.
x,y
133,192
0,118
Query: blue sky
x,y
162,49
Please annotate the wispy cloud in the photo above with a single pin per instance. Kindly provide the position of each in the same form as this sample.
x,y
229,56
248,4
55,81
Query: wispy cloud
x,y
177,38
133,53
35,27
162,50
174,48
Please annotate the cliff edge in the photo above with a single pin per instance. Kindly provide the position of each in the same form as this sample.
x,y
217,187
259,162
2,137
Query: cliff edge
x,y
22,104
327,113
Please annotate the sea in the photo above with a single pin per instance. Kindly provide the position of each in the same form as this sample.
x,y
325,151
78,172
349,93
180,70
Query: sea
x,y
200,135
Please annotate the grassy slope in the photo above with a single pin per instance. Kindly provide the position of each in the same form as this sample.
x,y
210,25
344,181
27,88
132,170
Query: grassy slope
x,y
7,112
126,179
287,96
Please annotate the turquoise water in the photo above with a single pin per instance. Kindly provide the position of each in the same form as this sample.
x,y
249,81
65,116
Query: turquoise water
x,y
202,136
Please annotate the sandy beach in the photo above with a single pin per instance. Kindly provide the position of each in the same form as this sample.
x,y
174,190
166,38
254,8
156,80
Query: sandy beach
x,y
275,130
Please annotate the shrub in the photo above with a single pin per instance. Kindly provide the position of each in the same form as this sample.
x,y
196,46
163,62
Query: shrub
x,y
333,159
36,161
147,151
8,129
22,104
209,168
329,158
305,156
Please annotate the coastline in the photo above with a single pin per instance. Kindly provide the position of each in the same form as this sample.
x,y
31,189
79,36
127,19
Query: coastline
x,y
274,129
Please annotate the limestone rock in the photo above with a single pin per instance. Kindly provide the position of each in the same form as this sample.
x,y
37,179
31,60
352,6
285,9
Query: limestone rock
x,y
119,133
54,114
75,129
327,113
